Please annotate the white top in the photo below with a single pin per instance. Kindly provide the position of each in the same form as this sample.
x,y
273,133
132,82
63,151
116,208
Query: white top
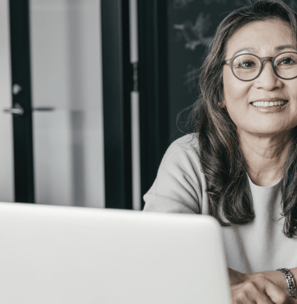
x,y
258,246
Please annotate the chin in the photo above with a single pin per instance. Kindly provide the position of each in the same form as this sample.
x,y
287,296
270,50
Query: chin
x,y
269,132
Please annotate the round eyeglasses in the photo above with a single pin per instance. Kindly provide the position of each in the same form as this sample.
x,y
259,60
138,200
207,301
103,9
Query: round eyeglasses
x,y
247,67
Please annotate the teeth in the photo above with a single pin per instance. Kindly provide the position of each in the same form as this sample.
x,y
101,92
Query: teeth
x,y
266,104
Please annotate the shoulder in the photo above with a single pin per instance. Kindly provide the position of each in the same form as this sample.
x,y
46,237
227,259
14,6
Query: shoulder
x,y
179,182
185,145
180,165
186,142
183,152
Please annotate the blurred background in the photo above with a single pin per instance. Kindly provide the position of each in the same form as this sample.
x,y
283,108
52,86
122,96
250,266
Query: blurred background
x,y
90,93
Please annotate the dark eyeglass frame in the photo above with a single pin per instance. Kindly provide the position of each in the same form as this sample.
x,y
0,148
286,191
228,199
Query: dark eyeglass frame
x,y
262,59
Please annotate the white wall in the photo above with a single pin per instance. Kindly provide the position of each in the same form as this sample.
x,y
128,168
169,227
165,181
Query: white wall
x,y
67,75
6,143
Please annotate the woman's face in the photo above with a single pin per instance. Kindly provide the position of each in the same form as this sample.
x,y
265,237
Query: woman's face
x,y
265,39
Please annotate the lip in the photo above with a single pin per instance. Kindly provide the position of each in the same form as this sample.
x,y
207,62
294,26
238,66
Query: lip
x,y
270,99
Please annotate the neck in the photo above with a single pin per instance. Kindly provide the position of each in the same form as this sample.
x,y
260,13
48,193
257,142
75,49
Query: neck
x,y
265,156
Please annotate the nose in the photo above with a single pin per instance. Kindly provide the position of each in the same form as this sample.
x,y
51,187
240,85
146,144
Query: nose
x,y
267,79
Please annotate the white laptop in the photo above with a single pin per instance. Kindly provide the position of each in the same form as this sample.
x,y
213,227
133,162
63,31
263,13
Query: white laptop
x,y
75,255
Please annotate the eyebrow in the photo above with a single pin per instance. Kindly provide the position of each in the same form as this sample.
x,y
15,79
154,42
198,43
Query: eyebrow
x,y
278,48
282,47
244,50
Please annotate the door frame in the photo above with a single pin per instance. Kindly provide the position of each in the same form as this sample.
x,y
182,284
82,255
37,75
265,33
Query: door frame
x,y
117,86
153,88
21,95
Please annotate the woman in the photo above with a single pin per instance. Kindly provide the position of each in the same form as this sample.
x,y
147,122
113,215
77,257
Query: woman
x,y
239,165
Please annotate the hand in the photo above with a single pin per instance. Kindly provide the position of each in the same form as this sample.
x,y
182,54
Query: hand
x,y
256,288
277,278
236,277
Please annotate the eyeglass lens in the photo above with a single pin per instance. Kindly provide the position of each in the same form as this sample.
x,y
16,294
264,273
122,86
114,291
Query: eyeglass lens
x,y
247,66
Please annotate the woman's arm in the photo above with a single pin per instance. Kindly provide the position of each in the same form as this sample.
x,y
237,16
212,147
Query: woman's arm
x,y
251,287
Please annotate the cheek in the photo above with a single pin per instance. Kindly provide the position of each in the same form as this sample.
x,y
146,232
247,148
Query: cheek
x,y
235,90
292,87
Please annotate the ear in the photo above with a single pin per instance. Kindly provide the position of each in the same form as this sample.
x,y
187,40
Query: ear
x,y
222,104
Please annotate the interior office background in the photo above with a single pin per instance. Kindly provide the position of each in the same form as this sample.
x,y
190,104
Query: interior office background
x,y
101,83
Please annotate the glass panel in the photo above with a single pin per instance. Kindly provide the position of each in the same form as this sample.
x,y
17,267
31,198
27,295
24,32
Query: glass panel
x,y
67,98
6,147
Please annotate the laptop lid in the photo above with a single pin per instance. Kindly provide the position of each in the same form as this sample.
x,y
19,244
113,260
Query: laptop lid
x,y
75,255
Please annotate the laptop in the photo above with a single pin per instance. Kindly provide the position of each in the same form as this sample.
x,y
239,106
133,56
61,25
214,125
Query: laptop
x,y
76,255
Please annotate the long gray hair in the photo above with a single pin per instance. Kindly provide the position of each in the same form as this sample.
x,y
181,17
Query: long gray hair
x,y
221,158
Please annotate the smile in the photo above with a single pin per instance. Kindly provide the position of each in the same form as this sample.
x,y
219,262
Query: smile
x,y
267,104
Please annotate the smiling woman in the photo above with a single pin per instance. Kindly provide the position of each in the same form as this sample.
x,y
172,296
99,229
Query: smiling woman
x,y
240,164
249,102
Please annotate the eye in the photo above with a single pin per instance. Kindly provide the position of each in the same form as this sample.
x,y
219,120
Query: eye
x,y
286,61
247,64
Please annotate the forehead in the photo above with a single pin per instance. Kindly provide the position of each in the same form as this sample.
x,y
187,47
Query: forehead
x,y
262,36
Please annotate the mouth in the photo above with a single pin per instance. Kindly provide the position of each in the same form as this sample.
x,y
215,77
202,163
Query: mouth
x,y
269,104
